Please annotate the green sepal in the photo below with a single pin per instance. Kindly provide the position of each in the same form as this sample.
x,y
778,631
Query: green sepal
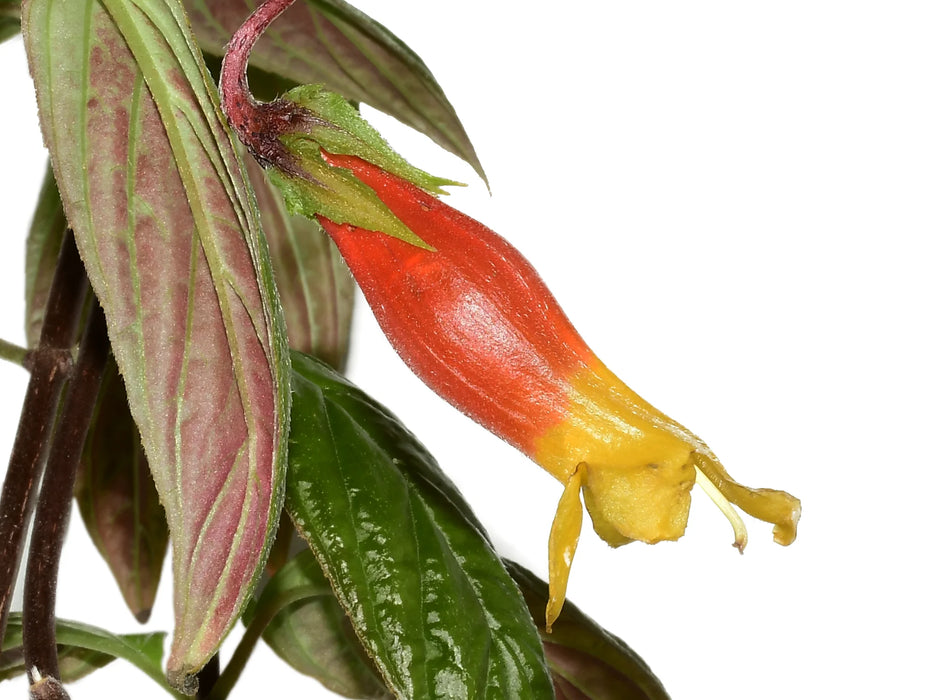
x,y
335,192
351,135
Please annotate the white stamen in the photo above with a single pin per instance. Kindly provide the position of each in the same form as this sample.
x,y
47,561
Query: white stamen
x,y
738,525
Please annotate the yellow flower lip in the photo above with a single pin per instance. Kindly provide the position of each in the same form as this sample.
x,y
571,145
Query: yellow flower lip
x,y
635,468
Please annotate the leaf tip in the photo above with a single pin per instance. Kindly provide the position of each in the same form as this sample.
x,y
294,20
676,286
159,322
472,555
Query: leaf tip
x,y
184,680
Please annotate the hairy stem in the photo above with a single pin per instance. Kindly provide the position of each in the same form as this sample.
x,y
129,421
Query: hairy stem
x,y
54,507
49,364
259,126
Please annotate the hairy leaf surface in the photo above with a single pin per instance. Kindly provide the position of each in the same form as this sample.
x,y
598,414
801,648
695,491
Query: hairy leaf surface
x,y
167,227
424,588
331,42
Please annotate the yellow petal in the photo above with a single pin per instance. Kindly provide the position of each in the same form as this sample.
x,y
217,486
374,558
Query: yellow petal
x,y
562,544
777,507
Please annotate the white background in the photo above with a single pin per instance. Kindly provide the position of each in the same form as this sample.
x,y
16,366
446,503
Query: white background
x,y
732,201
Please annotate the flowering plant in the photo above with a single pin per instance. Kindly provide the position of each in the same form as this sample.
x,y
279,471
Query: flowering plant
x,y
205,406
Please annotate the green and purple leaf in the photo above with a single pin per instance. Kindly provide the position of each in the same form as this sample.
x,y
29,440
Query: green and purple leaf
x,y
422,585
315,285
586,661
118,501
167,228
331,42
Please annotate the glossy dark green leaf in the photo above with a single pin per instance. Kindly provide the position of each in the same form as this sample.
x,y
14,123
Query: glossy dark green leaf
x,y
586,661
86,648
312,633
430,599
42,245
315,285
118,500
331,42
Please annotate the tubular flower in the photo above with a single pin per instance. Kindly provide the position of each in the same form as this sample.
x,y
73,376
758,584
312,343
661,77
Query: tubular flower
x,y
472,318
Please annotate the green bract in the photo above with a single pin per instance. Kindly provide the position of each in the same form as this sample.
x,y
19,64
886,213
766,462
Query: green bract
x,y
335,192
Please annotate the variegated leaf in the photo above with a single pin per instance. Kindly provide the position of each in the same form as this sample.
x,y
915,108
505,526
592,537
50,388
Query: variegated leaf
x,y
331,42
315,285
168,231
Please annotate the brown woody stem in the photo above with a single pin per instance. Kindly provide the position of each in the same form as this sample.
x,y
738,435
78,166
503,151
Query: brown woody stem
x,y
49,364
207,677
51,523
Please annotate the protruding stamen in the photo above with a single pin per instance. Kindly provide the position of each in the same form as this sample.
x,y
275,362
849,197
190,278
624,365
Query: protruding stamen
x,y
776,507
738,525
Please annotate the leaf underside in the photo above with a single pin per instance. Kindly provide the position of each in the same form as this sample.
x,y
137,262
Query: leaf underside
x,y
168,231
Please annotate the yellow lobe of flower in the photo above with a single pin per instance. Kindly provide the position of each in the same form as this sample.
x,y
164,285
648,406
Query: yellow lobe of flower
x,y
635,468
562,544
639,475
